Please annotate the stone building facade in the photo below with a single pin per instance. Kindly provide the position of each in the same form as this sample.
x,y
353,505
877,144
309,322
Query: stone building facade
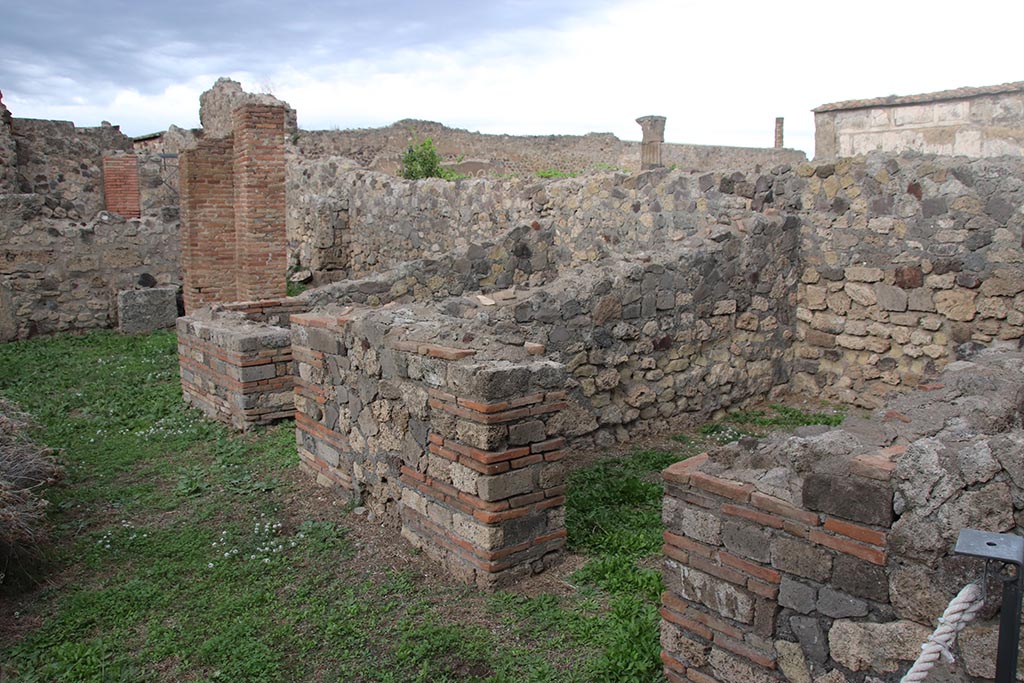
x,y
974,122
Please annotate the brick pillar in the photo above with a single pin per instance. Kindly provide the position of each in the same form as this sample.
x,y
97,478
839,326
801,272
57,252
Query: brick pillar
x,y
654,134
207,223
778,132
121,185
259,167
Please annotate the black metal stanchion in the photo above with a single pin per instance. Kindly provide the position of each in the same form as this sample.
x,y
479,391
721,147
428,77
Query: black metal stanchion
x,y
1008,550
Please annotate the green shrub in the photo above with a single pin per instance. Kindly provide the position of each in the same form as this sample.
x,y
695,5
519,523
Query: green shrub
x,y
422,161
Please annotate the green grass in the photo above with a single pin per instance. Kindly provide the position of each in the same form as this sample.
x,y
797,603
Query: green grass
x,y
555,173
178,554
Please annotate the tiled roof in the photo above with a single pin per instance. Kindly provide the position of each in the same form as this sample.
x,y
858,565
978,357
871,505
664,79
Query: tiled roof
x,y
896,100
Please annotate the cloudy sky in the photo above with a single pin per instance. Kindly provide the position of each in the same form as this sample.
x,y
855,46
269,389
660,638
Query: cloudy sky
x,y
721,71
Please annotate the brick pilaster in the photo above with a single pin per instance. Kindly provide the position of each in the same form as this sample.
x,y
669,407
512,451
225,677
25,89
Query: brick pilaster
x,y
207,223
259,169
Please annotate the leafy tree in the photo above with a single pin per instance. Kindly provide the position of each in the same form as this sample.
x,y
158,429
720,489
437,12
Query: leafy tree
x,y
422,161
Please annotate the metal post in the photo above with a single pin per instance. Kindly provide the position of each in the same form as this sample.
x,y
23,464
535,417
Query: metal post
x,y
1008,550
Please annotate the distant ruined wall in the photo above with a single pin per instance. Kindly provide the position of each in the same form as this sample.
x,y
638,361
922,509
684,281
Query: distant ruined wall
x,y
480,154
60,275
974,122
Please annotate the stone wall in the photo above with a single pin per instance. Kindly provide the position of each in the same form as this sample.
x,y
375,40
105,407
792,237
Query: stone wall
x,y
344,222
72,235
61,275
974,122
237,366
218,104
8,152
64,164
478,154
827,556
516,346
905,258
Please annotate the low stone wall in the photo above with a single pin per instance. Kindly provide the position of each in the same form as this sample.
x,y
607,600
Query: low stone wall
x,y
249,388
456,444
905,258
828,555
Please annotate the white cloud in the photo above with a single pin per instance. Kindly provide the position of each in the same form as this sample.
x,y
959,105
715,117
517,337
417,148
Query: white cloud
x,y
720,72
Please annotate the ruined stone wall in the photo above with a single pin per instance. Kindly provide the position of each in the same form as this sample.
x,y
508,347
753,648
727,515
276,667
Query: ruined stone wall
x,y
974,122
906,257
664,339
61,275
218,104
453,443
8,152
827,556
81,218
478,154
355,222
64,164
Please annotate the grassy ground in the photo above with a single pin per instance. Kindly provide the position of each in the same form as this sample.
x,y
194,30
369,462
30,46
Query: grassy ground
x,y
185,552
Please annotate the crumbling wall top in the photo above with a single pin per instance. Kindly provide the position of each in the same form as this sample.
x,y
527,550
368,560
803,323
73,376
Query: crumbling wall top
x,y
217,104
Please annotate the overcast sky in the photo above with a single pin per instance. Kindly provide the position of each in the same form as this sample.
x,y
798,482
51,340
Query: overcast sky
x,y
721,71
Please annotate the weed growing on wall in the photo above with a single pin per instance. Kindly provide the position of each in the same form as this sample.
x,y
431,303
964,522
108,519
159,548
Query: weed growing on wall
x,y
422,161
758,423
555,173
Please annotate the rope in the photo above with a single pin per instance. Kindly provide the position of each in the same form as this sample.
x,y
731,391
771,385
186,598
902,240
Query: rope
x,y
963,608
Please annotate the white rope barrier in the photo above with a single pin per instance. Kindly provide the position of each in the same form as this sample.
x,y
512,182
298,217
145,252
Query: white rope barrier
x,y
963,608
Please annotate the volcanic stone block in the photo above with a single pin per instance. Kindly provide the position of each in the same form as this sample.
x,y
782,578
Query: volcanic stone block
x,y
143,310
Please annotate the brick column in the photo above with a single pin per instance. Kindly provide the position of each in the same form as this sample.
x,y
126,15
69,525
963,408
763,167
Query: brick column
x,y
778,132
121,185
207,223
490,504
259,167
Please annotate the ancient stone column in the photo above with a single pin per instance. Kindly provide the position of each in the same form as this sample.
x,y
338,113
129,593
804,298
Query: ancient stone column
x,y
778,132
654,134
